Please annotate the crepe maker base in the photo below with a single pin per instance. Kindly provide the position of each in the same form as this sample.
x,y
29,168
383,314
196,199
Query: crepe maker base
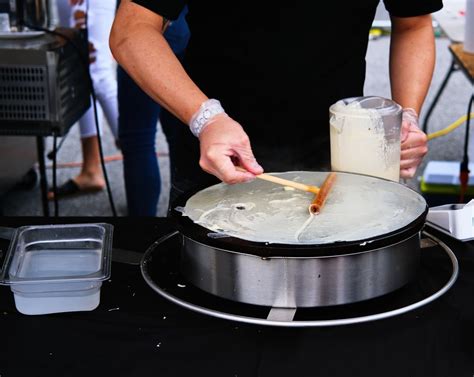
x,y
438,271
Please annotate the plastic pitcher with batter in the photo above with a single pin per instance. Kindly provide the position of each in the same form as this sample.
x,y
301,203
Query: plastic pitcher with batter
x,y
365,136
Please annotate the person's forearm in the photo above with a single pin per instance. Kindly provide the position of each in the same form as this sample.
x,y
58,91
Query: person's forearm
x,y
139,47
412,59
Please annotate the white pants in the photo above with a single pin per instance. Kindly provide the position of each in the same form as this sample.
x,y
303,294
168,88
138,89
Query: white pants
x,y
100,16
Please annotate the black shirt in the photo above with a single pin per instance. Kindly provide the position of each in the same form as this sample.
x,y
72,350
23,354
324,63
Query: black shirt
x,y
277,68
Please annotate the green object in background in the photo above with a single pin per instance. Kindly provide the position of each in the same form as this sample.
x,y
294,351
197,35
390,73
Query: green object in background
x,y
438,32
433,188
377,32
442,177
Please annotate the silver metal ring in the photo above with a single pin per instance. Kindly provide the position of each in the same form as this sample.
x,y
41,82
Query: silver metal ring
x,y
316,323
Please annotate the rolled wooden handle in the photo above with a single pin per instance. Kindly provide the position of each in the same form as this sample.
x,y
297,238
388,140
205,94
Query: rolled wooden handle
x,y
284,182
318,202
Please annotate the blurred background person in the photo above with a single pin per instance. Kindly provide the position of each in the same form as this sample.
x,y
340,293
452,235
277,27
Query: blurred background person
x,y
98,16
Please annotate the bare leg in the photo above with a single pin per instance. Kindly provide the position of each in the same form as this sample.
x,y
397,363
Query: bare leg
x,y
90,178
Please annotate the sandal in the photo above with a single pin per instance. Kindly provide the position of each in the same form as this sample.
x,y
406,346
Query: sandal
x,y
69,188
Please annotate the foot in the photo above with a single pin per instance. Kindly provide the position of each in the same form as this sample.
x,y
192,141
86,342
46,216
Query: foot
x,y
83,183
90,182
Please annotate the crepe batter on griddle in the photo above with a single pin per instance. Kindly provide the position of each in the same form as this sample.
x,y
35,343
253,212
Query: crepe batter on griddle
x,y
357,209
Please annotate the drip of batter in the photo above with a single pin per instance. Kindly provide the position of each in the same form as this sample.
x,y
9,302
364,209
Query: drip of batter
x,y
303,228
208,212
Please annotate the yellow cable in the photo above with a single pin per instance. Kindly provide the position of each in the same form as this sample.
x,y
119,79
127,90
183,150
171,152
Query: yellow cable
x,y
450,128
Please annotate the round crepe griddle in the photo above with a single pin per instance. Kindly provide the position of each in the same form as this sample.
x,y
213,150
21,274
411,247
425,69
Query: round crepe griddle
x,y
359,211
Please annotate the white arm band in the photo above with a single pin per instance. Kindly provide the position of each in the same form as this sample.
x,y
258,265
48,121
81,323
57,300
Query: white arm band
x,y
201,118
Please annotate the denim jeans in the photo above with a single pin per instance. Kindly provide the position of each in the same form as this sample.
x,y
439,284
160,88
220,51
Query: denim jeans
x,y
138,117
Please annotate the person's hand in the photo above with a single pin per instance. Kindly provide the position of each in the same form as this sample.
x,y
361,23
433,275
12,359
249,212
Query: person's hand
x,y
225,145
76,2
79,17
414,144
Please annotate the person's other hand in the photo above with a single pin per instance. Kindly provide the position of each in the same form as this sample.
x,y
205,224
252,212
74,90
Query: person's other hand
x,y
224,144
79,17
414,144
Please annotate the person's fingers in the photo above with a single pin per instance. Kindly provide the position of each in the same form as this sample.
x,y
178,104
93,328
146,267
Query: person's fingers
x,y
79,17
219,162
404,131
413,149
80,25
415,137
410,159
224,144
408,163
414,144
412,153
408,173
230,174
247,160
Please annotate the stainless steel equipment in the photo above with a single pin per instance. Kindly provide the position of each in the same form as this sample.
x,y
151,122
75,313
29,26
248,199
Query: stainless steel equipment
x,y
288,282
23,14
307,275
44,88
160,268
44,80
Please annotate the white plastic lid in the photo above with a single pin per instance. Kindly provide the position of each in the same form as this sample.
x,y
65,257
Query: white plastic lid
x,y
383,106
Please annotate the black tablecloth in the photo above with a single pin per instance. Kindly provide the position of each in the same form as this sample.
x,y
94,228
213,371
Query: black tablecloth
x,y
135,332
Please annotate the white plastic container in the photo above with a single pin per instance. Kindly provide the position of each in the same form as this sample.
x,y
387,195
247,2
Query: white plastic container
x,y
469,28
58,268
